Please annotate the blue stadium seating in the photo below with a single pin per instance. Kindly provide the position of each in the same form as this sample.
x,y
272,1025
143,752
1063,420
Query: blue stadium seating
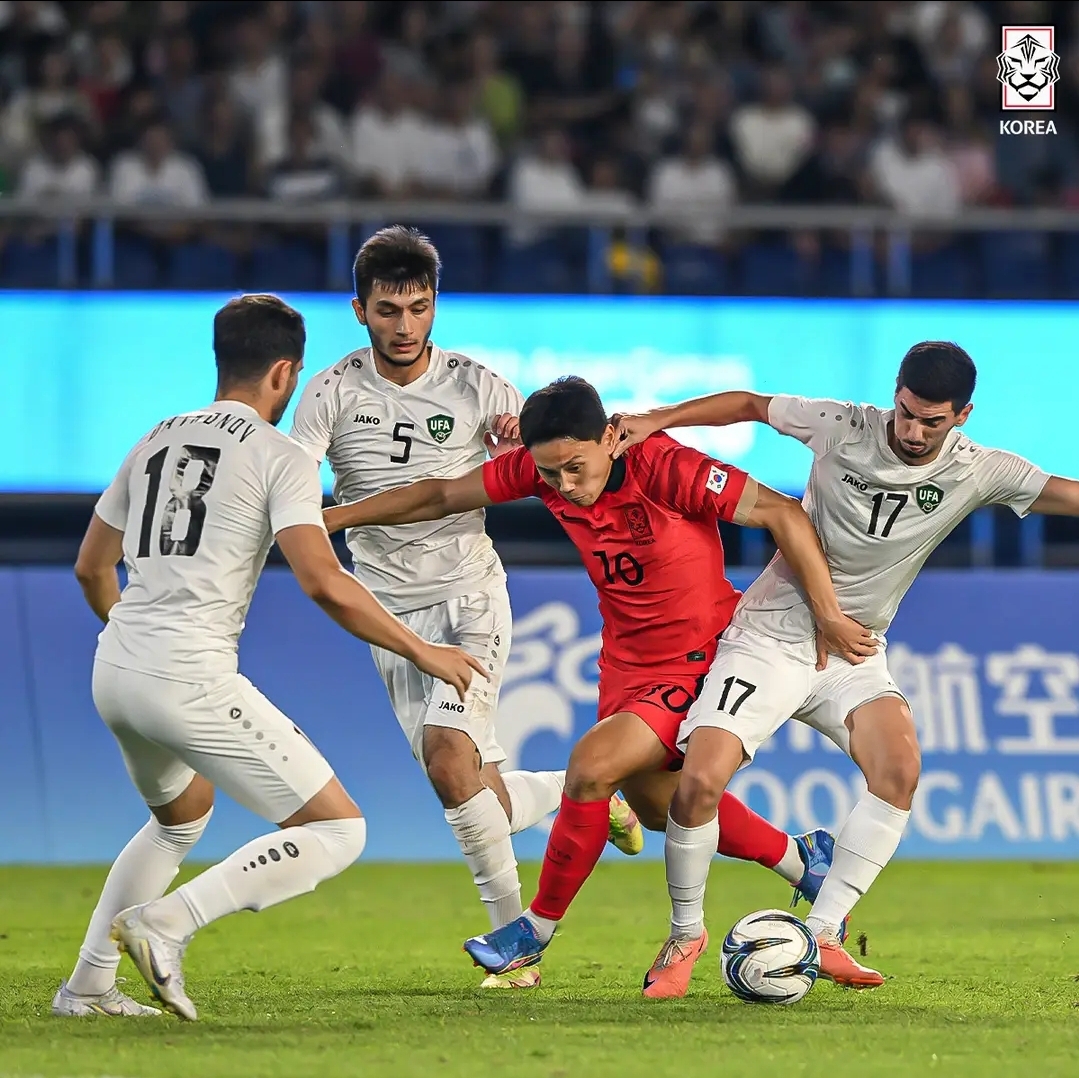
x,y
694,271
1069,265
946,273
26,264
1017,265
776,269
135,263
287,267
464,263
546,266
203,265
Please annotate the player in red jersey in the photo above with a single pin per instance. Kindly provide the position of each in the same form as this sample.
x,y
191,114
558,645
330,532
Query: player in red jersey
x,y
646,526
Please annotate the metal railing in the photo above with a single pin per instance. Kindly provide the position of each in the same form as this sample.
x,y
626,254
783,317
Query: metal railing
x,y
342,219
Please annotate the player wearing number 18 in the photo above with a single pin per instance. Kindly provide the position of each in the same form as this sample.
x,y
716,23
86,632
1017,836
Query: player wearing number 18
x,y
646,529
193,511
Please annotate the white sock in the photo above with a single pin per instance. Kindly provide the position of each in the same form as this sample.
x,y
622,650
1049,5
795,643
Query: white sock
x,y
688,853
143,871
268,870
544,926
483,833
533,795
791,867
863,847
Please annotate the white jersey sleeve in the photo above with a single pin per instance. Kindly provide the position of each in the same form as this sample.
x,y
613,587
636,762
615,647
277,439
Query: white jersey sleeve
x,y
498,397
1005,478
316,414
115,503
819,423
294,494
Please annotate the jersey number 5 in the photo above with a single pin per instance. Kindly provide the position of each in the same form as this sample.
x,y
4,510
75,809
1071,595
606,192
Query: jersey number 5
x,y
896,500
191,500
405,440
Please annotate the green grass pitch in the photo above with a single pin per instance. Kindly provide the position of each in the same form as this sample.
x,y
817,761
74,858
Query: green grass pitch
x,y
366,978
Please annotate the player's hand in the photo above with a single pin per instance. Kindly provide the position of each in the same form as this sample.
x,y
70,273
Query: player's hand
x,y
632,430
846,638
504,435
451,665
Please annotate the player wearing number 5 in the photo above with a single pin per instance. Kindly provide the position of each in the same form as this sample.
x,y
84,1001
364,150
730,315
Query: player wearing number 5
x,y
646,528
884,489
384,416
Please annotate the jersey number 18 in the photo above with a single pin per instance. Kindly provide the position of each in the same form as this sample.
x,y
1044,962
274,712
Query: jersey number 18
x,y
191,500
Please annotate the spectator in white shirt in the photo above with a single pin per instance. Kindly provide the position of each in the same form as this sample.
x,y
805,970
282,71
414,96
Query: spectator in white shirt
x,y
156,173
63,170
306,80
697,184
306,173
914,173
460,154
259,79
773,138
389,139
52,92
544,179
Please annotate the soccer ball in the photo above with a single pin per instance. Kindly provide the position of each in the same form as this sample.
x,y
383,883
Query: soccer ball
x,y
770,957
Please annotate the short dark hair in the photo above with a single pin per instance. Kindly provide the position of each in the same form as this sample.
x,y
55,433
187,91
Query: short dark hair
x,y
569,407
398,257
938,371
251,333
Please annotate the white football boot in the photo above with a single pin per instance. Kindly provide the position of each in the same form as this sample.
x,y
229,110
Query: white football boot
x,y
158,958
65,1004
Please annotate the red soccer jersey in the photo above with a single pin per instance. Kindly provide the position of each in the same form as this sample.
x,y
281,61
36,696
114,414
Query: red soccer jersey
x,y
650,544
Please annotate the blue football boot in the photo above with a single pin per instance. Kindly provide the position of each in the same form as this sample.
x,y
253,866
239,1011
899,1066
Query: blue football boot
x,y
510,947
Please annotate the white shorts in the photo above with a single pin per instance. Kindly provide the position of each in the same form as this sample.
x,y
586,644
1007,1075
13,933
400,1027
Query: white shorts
x,y
755,683
226,731
480,624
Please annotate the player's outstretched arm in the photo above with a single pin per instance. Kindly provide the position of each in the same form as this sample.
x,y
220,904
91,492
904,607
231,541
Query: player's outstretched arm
x,y
797,539
95,568
429,499
308,551
716,410
1059,498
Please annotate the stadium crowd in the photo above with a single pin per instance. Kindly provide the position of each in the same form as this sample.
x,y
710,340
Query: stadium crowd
x,y
546,105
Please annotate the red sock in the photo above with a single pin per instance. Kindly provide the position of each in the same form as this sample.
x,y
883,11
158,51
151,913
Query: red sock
x,y
748,837
576,843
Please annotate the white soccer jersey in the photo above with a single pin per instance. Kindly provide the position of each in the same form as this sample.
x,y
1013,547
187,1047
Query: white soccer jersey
x,y
199,500
379,436
878,518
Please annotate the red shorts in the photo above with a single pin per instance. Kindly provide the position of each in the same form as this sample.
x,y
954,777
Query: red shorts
x,y
659,695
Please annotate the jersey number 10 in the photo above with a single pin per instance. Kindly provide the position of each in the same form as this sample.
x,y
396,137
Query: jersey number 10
x,y
191,500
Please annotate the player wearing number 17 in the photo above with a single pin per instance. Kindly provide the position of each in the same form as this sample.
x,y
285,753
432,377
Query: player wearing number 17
x,y
646,529
193,512
885,488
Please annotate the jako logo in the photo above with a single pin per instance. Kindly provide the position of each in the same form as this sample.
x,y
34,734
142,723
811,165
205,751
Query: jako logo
x,y
371,420
452,705
855,482
1027,69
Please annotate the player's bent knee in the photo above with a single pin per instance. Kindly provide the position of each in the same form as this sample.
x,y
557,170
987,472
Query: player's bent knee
x,y
343,840
590,777
699,790
897,781
455,777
